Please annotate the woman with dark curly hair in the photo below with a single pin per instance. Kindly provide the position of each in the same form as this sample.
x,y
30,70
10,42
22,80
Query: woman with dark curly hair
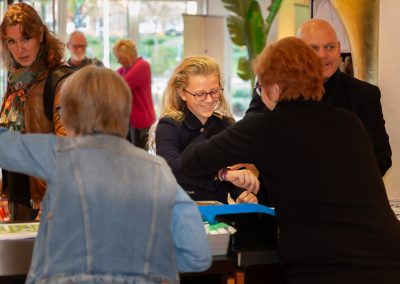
x,y
28,51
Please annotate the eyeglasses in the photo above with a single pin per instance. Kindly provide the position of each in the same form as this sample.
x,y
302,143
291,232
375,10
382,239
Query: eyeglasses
x,y
257,90
215,94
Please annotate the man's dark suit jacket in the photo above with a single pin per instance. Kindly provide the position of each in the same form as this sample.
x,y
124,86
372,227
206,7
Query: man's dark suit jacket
x,y
359,97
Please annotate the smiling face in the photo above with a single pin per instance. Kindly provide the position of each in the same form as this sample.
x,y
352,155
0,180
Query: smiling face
x,y
199,84
23,48
321,37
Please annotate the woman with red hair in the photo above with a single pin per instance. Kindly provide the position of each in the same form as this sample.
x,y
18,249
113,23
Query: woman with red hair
x,y
335,221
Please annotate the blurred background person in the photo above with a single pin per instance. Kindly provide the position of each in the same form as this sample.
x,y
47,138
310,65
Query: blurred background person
x,y
194,110
137,73
335,221
29,51
77,45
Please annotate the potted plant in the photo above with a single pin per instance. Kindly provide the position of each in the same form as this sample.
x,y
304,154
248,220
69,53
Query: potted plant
x,y
248,28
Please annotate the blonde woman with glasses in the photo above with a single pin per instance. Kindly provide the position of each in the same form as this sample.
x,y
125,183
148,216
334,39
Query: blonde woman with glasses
x,y
194,110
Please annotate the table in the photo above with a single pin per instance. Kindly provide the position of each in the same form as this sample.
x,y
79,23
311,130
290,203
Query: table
x,y
258,266
16,257
15,260
222,267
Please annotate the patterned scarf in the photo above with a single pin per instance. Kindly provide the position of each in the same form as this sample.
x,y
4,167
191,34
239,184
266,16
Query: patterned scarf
x,y
19,82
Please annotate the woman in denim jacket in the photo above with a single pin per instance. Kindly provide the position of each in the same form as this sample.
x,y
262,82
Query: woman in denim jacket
x,y
112,212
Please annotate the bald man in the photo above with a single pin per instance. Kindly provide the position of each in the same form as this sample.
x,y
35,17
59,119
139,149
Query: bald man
x,y
77,45
342,90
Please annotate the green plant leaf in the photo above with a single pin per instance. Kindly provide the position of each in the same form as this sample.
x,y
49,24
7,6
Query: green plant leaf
x,y
273,11
255,29
245,70
239,7
236,30
247,28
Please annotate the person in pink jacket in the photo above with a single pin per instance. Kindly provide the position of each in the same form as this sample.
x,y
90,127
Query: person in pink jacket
x,y
137,74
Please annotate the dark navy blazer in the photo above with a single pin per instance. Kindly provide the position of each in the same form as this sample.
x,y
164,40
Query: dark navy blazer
x,y
173,137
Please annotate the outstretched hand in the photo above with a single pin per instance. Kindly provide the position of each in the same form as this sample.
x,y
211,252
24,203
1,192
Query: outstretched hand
x,y
244,179
250,167
246,197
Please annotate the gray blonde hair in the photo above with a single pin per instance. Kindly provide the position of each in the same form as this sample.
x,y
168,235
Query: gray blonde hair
x,y
125,47
96,100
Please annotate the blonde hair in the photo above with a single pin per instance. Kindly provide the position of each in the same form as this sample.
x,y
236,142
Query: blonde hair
x,y
32,26
96,100
125,47
174,106
191,66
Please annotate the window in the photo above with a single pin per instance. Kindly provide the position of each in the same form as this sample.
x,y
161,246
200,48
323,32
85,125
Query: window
x,y
155,26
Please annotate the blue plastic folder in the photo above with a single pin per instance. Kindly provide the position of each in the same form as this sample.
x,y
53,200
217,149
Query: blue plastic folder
x,y
208,212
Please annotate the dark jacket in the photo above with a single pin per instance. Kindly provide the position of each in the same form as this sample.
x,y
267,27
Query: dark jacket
x,y
361,98
335,221
173,137
85,62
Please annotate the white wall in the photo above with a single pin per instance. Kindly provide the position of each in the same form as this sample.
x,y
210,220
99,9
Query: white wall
x,y
389,83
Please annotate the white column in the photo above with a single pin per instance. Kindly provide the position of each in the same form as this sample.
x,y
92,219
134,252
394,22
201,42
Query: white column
x,y
389,83
61,9
106,32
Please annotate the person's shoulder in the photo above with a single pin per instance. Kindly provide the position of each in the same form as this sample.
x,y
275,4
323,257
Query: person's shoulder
x,y
357,85
63,67
96,62
349,120
58,74
143,63
142,60
120,70
166,120
343,115
258,115
222,119
254,120
146,159
167,127
157,161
